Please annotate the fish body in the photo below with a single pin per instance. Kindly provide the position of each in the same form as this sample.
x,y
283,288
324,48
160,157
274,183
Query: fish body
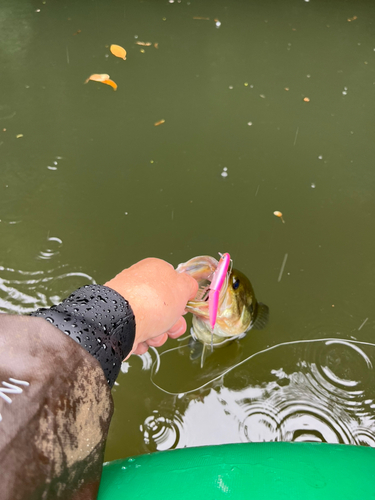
x,y
238,310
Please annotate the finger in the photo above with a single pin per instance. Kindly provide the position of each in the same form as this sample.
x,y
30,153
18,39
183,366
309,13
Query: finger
x,y
191,285
142,347
158,341
178,329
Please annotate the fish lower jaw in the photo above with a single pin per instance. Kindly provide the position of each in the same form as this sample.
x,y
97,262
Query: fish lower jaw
x,y
202,331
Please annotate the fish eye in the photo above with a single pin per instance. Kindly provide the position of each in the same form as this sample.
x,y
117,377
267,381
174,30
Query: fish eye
x,y
236,283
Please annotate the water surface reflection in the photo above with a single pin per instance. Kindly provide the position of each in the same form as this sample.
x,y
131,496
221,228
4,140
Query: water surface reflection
x,y
320,391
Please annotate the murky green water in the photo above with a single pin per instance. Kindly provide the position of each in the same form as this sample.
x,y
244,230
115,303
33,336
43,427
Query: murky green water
x,y
93,186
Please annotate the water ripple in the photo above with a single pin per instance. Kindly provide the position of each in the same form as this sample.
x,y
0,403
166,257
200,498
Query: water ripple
x,y
23,291
319,391
161,432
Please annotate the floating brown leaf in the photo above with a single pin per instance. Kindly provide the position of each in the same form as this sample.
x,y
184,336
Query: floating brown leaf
x,y
118,51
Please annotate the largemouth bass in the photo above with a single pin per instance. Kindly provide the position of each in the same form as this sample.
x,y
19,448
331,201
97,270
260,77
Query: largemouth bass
x,y
238,312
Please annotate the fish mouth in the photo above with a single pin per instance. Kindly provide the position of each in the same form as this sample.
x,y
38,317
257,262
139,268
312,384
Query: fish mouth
x,y
202,269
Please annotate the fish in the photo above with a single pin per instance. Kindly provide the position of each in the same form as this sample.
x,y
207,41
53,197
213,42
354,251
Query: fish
x,y
238,311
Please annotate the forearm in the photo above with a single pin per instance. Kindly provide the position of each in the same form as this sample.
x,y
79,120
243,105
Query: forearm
x,y
55,401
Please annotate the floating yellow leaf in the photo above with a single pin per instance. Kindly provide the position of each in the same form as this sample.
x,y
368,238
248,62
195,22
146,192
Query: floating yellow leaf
x,y
102,78
111,83
98,77
144,44
18,136
159,123
118,51
279,214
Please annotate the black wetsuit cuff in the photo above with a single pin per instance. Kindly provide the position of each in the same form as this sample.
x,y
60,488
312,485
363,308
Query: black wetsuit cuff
x,y
100,320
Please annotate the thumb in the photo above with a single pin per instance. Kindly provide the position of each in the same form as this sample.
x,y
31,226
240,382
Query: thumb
x,y
190,286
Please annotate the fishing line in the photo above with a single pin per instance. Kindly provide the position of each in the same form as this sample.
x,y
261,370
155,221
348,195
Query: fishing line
x,y
268,349
157,359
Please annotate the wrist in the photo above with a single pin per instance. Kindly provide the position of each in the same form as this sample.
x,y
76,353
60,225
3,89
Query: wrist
x,y
100,320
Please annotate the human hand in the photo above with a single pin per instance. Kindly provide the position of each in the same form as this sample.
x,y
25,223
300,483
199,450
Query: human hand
x,y
158,296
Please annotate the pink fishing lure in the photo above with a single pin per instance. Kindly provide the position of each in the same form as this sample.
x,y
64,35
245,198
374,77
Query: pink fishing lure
x,y
216,286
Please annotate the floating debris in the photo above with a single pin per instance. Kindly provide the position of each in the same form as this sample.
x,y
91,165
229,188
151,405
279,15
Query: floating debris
x,y
350,19
279,214
363,324
306,99
282,267
313,185
224,173
18,136
286,88
295,137
160,122
249,123
217,23
77,32
111,83
144,44
156,45
97,77
102,78
118,51
201,18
